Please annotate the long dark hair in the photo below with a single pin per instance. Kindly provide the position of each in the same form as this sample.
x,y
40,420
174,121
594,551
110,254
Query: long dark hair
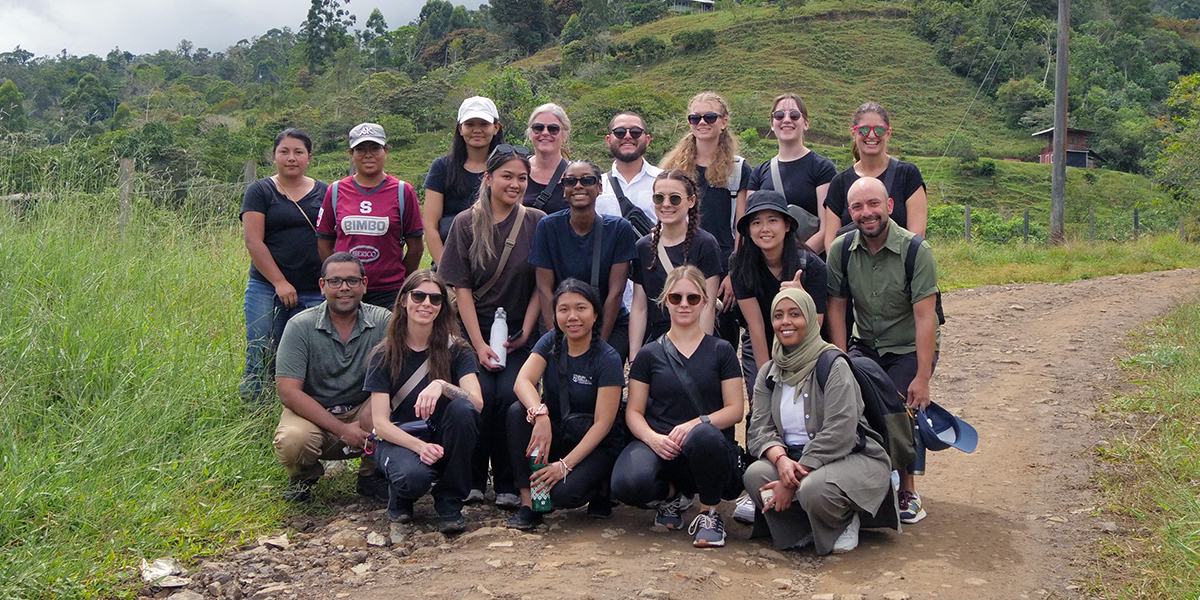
x,y
394,347
558,349
456,180
483,248
693,217
749,263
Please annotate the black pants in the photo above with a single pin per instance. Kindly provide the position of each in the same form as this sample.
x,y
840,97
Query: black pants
x,y
619,339
385,298
585,479
498,396
902,370
704,468
456,425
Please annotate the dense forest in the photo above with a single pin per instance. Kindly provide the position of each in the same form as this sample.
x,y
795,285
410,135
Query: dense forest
x,y
194,115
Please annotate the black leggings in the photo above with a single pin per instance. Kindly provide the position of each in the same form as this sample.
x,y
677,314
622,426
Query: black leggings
x,y
498,396
456,423
585,479
703,467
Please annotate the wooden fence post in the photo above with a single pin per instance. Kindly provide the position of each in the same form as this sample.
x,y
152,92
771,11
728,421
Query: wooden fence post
x,y
967,223
249,173
125,206
1135,223
1026,225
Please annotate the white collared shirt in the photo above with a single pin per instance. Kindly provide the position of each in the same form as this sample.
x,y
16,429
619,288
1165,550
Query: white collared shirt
x,y
791,416
639,190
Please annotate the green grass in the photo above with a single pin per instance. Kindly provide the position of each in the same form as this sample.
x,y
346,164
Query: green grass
x,y
1152,473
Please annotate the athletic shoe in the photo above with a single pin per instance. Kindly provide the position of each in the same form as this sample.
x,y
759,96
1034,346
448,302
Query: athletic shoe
x,y
709,529
452,524
669,511
849,538
475,497
910,507
744,511
399,510
373,486
525,519
600,508
508,501
299,489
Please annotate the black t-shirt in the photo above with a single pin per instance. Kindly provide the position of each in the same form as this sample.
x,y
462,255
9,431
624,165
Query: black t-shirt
x,y
801,177
288,235
716,210
555,203
379,378
704,254
454,200
714,361
586,374
814,279
905,183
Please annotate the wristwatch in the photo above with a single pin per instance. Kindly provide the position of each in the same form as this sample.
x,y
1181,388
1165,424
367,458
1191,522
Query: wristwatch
x,y
704,419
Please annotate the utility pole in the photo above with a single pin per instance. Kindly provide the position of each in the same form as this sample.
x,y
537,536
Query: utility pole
x,y
1058,185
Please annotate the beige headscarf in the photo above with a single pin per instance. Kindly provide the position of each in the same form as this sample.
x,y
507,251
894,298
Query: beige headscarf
x,y
798,361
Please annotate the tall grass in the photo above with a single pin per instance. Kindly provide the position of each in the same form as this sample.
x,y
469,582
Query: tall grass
x,y
122,433
1153,472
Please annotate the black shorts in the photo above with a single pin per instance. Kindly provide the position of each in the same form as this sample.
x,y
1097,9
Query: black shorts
x,y
902,368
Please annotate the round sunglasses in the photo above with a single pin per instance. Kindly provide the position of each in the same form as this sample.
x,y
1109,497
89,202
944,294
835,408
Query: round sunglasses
x,y
865,130
708,117
674,199
634,132
780,114
552,128
676,299
419,297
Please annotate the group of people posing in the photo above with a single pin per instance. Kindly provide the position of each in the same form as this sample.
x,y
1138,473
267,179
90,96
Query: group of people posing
x,y
506,362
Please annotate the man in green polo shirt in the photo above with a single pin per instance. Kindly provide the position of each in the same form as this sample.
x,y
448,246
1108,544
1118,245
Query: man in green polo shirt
x,y
895,321
320,369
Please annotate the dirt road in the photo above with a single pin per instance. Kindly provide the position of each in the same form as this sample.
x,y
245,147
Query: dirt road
x,y
1024,364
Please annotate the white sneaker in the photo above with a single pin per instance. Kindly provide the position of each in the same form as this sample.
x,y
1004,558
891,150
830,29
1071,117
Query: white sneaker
x,y
849,538
744,511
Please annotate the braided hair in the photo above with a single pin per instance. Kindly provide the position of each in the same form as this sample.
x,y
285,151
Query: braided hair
x,y
558,348
693,217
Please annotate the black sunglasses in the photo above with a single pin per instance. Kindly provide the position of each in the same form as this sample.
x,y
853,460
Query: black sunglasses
x,y
780,114
553,128
634,132
509,149
708,117
677,298
675,199
586,180
419,297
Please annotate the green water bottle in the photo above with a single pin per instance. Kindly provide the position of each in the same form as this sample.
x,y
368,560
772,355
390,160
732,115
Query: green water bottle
x,y
541,498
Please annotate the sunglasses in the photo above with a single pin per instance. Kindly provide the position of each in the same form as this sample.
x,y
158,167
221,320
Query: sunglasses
x,y
708,117
586,181
336,282
865,130
419,297
553,128
675,199
509,149
676,299
780,114
634,132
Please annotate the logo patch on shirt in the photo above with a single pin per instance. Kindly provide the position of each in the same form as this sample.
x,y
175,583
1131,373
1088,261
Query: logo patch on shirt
x,y
365,253
581,379
377,226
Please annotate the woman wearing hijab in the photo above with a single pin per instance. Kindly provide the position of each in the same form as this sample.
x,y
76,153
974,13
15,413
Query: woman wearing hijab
x,y
820,465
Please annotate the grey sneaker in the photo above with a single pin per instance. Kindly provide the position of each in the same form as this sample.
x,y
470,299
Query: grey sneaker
x,y
744,511
669,512
475,497
508,501
709,529
849,538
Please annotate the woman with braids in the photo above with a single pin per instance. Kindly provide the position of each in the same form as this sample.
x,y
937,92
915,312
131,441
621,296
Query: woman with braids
x,y
870,130
678,237
708,153
684,428
425,403
488,274
569,428
588,246
549,131
453,180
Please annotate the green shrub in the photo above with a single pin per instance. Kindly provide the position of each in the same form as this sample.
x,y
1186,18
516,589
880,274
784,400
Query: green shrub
x,y
691,42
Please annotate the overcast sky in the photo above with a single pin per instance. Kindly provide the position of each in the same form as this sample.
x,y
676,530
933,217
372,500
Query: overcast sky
x,y
147,26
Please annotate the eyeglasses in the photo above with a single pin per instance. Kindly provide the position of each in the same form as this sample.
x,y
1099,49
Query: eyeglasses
x,y
368,149
419,297
865,130
708,117
552,128
675,199
586,181
336,282
634,132
780,114
509,149
676,299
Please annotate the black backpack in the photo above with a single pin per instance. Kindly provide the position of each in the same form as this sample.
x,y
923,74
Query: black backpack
x,y
910,265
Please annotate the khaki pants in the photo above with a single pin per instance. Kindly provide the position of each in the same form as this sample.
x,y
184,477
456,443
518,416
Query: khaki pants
x,y
301,445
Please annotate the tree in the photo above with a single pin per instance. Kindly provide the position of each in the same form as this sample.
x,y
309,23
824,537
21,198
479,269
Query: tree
x,y
12,110
524,23
572,31
1178,165
595,15
1019,96
376,27
325,31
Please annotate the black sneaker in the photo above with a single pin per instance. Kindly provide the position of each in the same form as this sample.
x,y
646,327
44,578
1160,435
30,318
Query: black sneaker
x,y
373,486
452,524
400,510
525,519
299,489
669,512
600,508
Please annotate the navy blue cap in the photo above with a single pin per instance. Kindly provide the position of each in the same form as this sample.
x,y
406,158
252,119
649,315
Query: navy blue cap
x,y
940,430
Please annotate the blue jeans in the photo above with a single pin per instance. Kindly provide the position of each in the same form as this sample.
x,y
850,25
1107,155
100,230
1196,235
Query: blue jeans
x,y
265,318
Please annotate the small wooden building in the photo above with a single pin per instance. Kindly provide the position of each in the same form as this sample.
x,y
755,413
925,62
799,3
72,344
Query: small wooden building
x,y
691,5
1078,152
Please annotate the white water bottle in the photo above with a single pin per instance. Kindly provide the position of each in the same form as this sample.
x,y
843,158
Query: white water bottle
x,y
499,336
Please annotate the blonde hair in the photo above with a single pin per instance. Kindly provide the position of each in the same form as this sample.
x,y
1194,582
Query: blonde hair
x,y
682,273
562,117
683,155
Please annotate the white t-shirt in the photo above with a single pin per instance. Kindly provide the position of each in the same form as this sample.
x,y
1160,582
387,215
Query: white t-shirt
x,y
791,416
639,190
